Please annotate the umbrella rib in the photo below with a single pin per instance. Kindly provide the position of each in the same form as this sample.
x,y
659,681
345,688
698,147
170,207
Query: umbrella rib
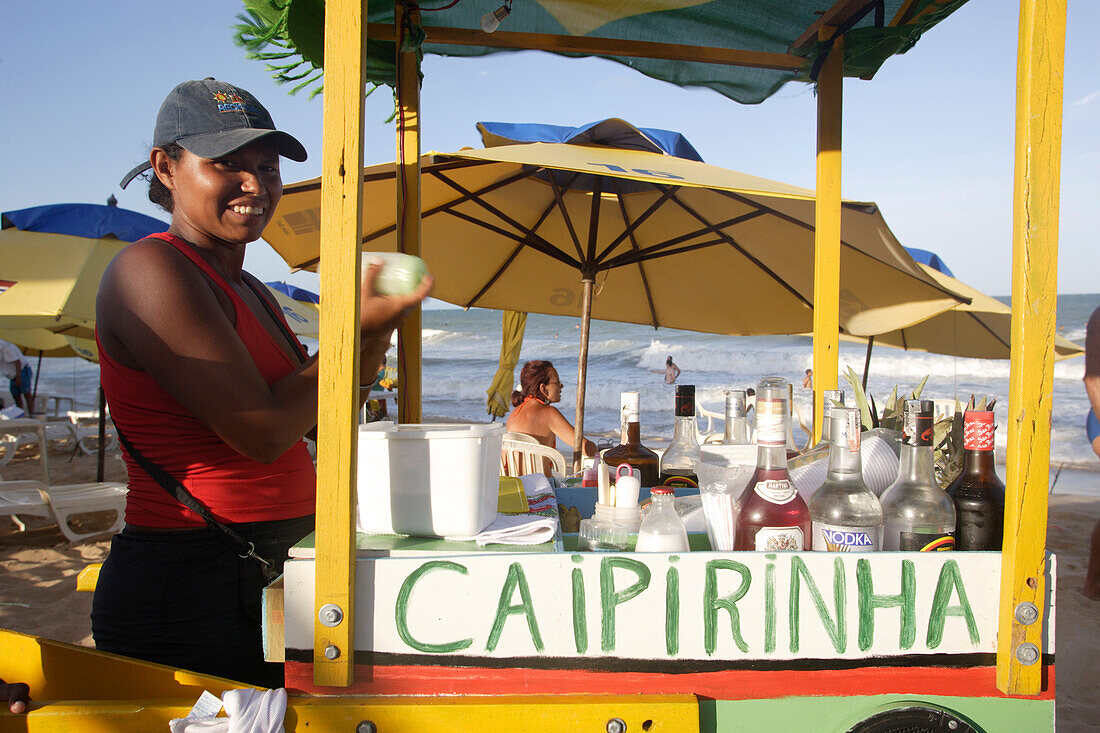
x,y
451,164
565,212
666,193
475,198
733,243
535,244
809,227
991,331
655,250
641,267
629,258
495,277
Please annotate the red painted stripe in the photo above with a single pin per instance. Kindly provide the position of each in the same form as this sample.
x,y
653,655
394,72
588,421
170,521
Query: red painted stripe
x,y
725,685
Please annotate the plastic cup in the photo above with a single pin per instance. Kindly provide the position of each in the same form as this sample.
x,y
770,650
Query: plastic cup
x,y
719,489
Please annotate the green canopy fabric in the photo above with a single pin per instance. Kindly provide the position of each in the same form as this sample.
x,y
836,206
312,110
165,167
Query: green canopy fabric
x,y
289,35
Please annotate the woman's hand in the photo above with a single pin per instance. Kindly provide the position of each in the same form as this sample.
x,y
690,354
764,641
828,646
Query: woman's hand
x,y
381,314
16,694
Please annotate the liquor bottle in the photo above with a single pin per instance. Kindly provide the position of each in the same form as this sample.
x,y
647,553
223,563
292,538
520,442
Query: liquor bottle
x,y
678,461
847,516
820,451
662,530
792,448
773,516
737,423
978,494
917,513
631,451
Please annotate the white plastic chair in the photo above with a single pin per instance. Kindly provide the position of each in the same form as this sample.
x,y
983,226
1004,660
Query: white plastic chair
x,y
521,454
61,502
84,426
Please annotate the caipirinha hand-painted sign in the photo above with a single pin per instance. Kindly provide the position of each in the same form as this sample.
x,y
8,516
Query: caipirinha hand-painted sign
x,y
665,607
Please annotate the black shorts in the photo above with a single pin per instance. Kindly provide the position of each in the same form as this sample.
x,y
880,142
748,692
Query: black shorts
x,y
186,600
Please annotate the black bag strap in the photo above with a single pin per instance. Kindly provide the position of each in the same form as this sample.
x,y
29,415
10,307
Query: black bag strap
x,y
169,483
276,316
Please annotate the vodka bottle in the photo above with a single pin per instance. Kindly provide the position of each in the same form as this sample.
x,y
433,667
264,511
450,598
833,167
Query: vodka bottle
x,y
631,451
773,516
978,493
918,514
737,424
678,461
662,530
847,516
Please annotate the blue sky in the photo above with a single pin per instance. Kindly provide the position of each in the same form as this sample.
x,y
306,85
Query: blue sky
x,y
930,139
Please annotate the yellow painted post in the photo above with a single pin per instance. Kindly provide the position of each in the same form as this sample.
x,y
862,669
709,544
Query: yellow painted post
x,y
409,378
338,388
827,226
1040,63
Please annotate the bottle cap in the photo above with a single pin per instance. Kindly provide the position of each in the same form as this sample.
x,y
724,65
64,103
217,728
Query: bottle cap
x,y
771,411
917,422
845,427
978,430
628,408
662,491
685,400
735,402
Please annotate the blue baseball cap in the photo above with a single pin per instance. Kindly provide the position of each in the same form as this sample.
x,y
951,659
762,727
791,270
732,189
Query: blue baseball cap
x,y
210,119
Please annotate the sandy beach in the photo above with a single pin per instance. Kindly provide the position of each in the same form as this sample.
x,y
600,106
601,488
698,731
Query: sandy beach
x,y
38,570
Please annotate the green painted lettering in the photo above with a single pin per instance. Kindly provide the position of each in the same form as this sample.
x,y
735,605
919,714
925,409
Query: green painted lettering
x,y
580,618
869,603
769,606
610,598
950,578
711,603
672,611
838,632
516,579
401,609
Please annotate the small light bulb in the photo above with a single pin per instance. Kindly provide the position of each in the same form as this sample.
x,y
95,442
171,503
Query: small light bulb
x,y
491,21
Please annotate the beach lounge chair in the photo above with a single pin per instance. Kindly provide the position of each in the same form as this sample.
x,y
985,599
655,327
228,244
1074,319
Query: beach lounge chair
x,y
34,498
521,454
85,431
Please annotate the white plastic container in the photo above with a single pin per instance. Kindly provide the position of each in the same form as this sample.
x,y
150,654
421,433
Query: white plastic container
x,y
428,480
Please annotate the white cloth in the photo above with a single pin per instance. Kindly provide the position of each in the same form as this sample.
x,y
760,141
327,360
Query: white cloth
x,y
533,528
249,711
12,360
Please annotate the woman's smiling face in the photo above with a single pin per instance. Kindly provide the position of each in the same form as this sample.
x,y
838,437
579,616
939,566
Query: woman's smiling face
x,y
228,199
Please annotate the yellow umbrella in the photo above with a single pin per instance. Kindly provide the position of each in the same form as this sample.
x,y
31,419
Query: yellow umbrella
x,y
979,329
512,326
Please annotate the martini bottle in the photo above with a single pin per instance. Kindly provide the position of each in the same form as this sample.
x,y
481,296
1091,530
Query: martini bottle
x,y
773,516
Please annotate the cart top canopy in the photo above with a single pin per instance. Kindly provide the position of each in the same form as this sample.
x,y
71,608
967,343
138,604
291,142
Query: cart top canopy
x,y
743,49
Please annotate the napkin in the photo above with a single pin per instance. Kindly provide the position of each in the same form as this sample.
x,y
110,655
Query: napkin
x,y
538,525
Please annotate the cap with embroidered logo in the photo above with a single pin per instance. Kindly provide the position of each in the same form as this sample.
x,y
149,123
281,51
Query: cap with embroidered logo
x,y
211,118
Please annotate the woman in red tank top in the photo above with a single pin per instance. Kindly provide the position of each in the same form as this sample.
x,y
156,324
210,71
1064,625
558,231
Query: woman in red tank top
x,y
204,381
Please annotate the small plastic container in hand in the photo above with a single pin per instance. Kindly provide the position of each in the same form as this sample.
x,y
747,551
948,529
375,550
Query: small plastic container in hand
x,y
400,274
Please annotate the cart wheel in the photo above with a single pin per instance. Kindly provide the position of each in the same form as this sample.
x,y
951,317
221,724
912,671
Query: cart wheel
x,y
913,720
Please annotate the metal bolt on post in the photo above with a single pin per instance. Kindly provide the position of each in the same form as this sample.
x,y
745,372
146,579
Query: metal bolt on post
x,y
366,726
332,652
1027,653
616,725
330,615
1027,613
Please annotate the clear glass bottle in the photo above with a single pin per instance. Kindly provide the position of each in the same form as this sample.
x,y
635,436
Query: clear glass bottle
x,y
917,513
846,515
631,451
829,399
792,447
773,517
662,530
978,493
678,461
736,430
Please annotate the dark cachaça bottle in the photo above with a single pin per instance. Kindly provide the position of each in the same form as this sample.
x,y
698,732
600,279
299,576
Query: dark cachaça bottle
x,y
678,461
978,493
631,451
773,516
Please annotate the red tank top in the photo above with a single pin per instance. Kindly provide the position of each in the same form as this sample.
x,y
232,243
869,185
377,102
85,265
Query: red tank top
x,y
235,488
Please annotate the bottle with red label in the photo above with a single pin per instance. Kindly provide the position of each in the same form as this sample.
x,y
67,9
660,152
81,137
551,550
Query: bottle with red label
x,y
978,493
773,517
678,461
918,514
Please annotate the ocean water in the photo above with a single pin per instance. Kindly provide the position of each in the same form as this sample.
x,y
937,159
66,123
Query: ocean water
x,y
461,349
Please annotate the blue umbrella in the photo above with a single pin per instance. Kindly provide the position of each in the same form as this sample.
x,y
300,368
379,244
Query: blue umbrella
x,y
295,292
93,221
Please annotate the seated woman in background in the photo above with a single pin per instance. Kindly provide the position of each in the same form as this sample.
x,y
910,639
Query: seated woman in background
x,y
532,410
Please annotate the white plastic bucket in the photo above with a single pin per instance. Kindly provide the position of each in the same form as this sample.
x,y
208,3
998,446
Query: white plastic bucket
x,y
428,480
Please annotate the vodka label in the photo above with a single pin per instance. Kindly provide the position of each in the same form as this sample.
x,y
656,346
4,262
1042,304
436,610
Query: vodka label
x,y
834,538
780,539
777,491
770,422
926,542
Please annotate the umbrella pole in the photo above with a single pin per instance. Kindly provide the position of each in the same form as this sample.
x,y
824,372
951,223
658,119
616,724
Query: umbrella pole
x,y
582,375
102,435
37,373
867,361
